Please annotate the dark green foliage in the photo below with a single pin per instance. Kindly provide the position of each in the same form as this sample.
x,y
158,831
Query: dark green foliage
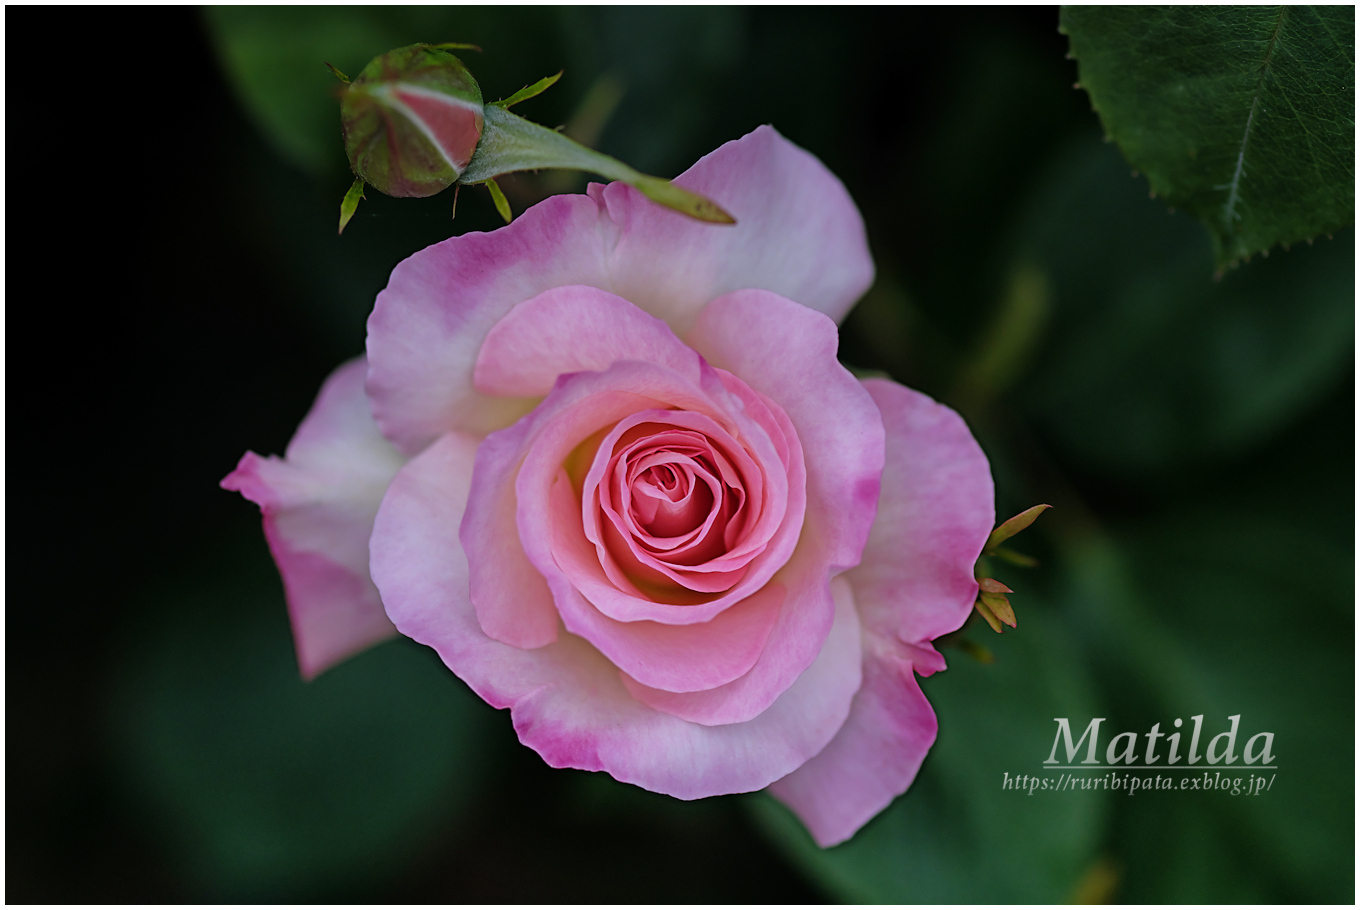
x,y
1243,116
1150,361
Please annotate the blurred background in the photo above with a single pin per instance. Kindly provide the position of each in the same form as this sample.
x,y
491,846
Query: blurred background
x,y
1196,437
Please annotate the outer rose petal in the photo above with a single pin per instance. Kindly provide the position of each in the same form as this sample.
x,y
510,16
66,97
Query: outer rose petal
x,y
890,729
915,580
914,584
318,504
798,233
429,322
566,700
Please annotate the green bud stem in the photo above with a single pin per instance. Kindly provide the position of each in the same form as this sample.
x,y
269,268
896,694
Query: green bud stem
x,y
510,143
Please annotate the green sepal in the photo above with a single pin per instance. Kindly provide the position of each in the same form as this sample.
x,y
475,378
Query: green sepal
x,y
529,91
681,200
510,143
350,204
498,197
987,615
1014,558
1012,526
339,75
1000,606
454,46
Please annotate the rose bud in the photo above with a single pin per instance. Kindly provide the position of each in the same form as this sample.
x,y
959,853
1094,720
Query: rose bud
x,y
412,120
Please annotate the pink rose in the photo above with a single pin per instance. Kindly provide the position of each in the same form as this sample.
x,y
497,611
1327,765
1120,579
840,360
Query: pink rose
x,y
646,509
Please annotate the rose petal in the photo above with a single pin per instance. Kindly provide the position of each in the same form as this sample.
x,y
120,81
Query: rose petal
x,y
429,322
582,404
318,504
567,701
663,753
758,471
798,233
914,584
567,330
916,578
524,462
676,658
873,758
797,640
787,352
512,600
668,498
413,552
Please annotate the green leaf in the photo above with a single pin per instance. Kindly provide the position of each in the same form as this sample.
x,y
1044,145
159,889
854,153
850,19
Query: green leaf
x,y
957,835
530,91
1243,116
274,788
1149,362
350,204
498,197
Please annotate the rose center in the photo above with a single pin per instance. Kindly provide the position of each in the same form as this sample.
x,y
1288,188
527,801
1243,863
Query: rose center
x,y
672,505
667,501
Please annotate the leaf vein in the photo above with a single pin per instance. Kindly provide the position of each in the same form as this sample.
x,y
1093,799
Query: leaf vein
x,y
1322,21
1246,134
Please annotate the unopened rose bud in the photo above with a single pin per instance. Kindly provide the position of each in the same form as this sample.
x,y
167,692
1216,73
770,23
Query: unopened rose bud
x,y
412,120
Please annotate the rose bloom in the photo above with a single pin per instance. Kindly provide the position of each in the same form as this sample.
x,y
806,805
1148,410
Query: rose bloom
x,y
605,462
